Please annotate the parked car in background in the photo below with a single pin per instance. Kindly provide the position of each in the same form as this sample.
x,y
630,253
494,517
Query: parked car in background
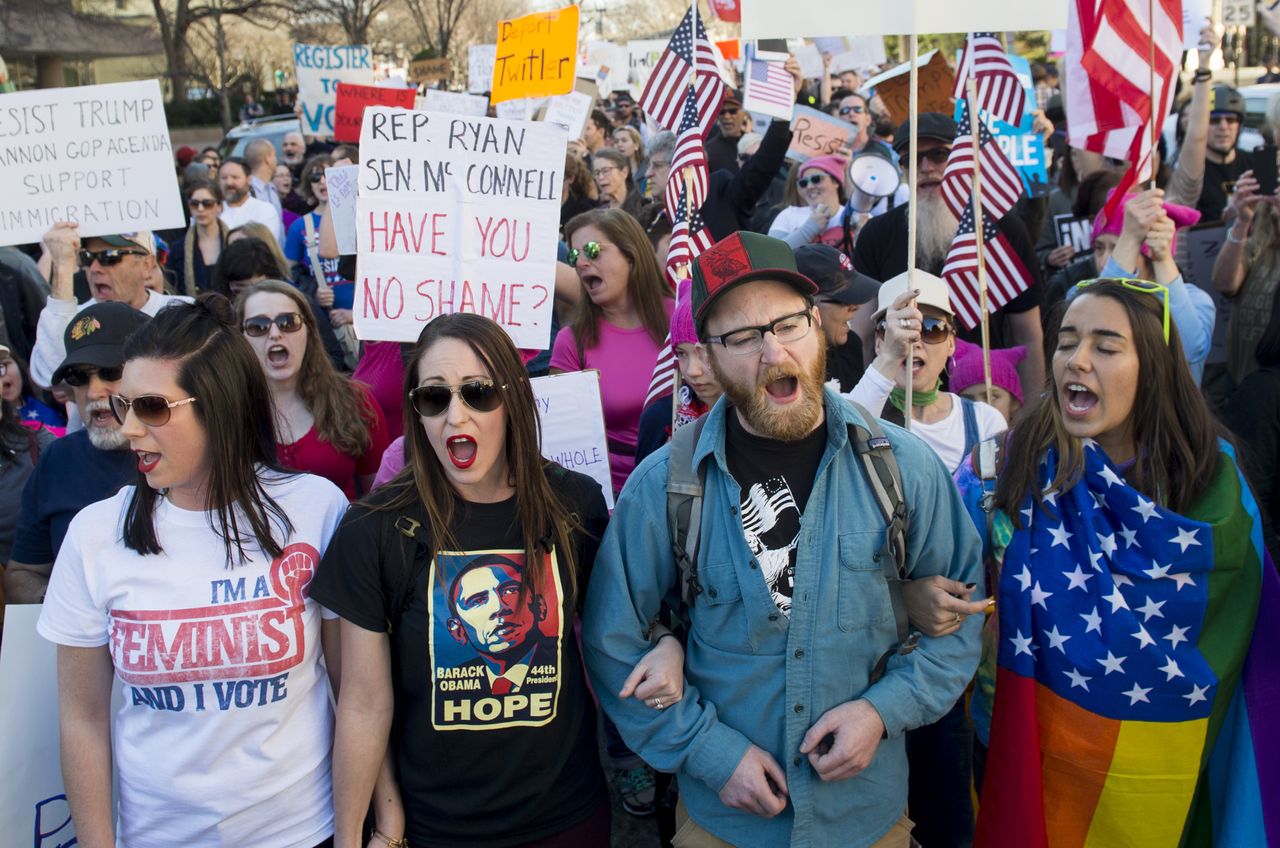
x,y
272,127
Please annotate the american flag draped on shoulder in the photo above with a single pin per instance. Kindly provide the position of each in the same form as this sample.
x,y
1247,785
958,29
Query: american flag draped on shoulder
x,y
1001,185
1007,277
999,90
664,94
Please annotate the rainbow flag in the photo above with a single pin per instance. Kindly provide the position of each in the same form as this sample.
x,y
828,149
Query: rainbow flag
x,y
1137,698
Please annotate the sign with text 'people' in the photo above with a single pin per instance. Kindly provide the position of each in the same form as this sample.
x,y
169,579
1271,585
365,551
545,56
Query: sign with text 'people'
x,y
456,214
319,68
96,155
536,55
572,417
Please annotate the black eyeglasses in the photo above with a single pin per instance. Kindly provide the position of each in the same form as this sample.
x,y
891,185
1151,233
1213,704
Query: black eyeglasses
x,y
748,340
196,203
812,179
152,410
78,377
260,325
856,110
591,250
480,395
316,176
106,258
935,155
932,330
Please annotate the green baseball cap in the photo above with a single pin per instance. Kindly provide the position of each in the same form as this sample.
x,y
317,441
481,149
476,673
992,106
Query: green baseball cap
x,y
743,257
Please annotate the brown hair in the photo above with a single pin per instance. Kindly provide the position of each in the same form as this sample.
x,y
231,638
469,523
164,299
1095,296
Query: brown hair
x,y
337,403
543,517
1171,422
579,176
645,280
318,162
210,186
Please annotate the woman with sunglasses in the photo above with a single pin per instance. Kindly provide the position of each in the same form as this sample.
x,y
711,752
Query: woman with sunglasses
x,y
325,423
926,335
193,255
190,586
615,182
820,185
458,584
619,327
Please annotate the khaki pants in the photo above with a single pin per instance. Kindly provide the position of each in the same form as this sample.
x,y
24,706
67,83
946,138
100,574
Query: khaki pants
x,y
689,834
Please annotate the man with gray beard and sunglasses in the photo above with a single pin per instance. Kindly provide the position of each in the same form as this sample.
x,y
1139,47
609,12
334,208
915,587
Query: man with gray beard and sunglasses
x,y
82,467
881,250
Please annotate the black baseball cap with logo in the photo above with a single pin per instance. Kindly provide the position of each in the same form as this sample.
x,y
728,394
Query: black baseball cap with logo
x,y
96,336
837,281
742,258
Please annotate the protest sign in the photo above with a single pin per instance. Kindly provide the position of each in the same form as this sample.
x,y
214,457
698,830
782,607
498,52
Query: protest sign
x,y
319,68
831,45
572,419
865,52
96,155
521,109
810,59
799,18
642,58
1024,148
342,184
815,133
456,214
429,70
1204,242
935,83
1073,232
606,63
569,111
480,67
536,55
352,100
453,102
730,49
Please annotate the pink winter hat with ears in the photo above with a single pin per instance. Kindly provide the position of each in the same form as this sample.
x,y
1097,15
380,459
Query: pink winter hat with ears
x,y
1182,216
967,370
682,328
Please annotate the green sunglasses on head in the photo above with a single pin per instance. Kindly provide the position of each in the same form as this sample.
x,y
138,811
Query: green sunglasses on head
x,y
1144,286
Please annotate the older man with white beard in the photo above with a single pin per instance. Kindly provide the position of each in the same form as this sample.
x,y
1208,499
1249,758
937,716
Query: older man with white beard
x,y
881,250
82,467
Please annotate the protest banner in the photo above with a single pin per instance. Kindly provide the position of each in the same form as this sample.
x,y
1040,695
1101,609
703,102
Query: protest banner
x,y
815,133
453,102
342,184
572,417
97,155
642,57
1024,148
936,81
606,63
569,111
352,100
319,68
1073,232
429,70
456,214
480,67
810,59
536,55
800,18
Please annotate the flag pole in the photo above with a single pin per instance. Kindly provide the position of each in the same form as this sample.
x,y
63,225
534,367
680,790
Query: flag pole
x,y
975,123
912,173
1151,68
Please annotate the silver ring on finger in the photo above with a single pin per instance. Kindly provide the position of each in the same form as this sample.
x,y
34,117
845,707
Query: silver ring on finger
x,y
904,323
957,621
657,703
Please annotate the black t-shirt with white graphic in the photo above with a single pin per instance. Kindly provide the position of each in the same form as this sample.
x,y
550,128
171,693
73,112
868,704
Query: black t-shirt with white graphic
x,y
776,478
494,725
1219,181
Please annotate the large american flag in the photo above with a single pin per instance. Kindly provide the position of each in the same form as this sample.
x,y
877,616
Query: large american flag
x,y
1001,185
1108,85
688,164
1007,277
664,93
999,91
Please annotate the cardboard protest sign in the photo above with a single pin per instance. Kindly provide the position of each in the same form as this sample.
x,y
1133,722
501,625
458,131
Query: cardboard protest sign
x,y
569,111
319,68
815,133
453,102
572,417
642,57
480,67
342,182
935,84
429,70
352,100
536,55
97,155
799,18
456,214
1073,232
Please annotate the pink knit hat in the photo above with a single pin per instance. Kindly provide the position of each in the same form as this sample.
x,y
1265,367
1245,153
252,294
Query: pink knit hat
x,y
832,165
1183,216
967,370
682,329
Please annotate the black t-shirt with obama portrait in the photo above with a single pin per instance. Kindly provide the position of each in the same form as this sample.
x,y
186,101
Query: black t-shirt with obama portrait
x,y
494,732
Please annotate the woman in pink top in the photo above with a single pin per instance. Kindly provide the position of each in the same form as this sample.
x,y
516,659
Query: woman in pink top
x,y
326,424
619,327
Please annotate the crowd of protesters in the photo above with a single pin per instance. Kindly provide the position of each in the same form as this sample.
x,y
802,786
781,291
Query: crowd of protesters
x,y
351,603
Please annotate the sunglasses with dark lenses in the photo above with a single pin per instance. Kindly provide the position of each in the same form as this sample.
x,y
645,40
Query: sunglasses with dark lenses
x,y
591,250
195,203
106,258
152,410
78,377
480,395
936,155
932,330
260,325
316,176
812,179
856,110
1229,118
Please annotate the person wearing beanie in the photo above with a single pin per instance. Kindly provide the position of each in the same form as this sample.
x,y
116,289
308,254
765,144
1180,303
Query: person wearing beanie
x,y
820,186
183,156
967,380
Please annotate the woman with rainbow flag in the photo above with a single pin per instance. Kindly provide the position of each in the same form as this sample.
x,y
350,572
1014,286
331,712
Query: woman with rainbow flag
x,y
1124,694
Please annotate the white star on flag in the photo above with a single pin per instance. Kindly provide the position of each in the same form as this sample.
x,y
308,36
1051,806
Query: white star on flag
x,y
1196,695
1136,694
1027,513
1130,537
1176,635
1077,579
1113,663
1171,669
1056,639
1095,560
1024,577
1039,595
1107,543
1110,476
1121,579
1093,620
1078,679
1117,600
1099,499
1143,637
1061,535
1051,498
1183,579
1156,571
1021,644
1151,608
1185,538
1145,508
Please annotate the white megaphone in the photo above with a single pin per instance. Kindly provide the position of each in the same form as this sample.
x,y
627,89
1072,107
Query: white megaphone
x,y
872,175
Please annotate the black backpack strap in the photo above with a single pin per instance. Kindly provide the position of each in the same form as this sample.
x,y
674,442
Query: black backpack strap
x,y
684,507
415,547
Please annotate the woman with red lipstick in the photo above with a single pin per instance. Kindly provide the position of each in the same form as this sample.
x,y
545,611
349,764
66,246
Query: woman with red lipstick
x,y
619,327
191,587
458,583
326,424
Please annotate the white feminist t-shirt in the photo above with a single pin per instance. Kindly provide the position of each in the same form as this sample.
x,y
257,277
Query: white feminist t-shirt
x,y
225,734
